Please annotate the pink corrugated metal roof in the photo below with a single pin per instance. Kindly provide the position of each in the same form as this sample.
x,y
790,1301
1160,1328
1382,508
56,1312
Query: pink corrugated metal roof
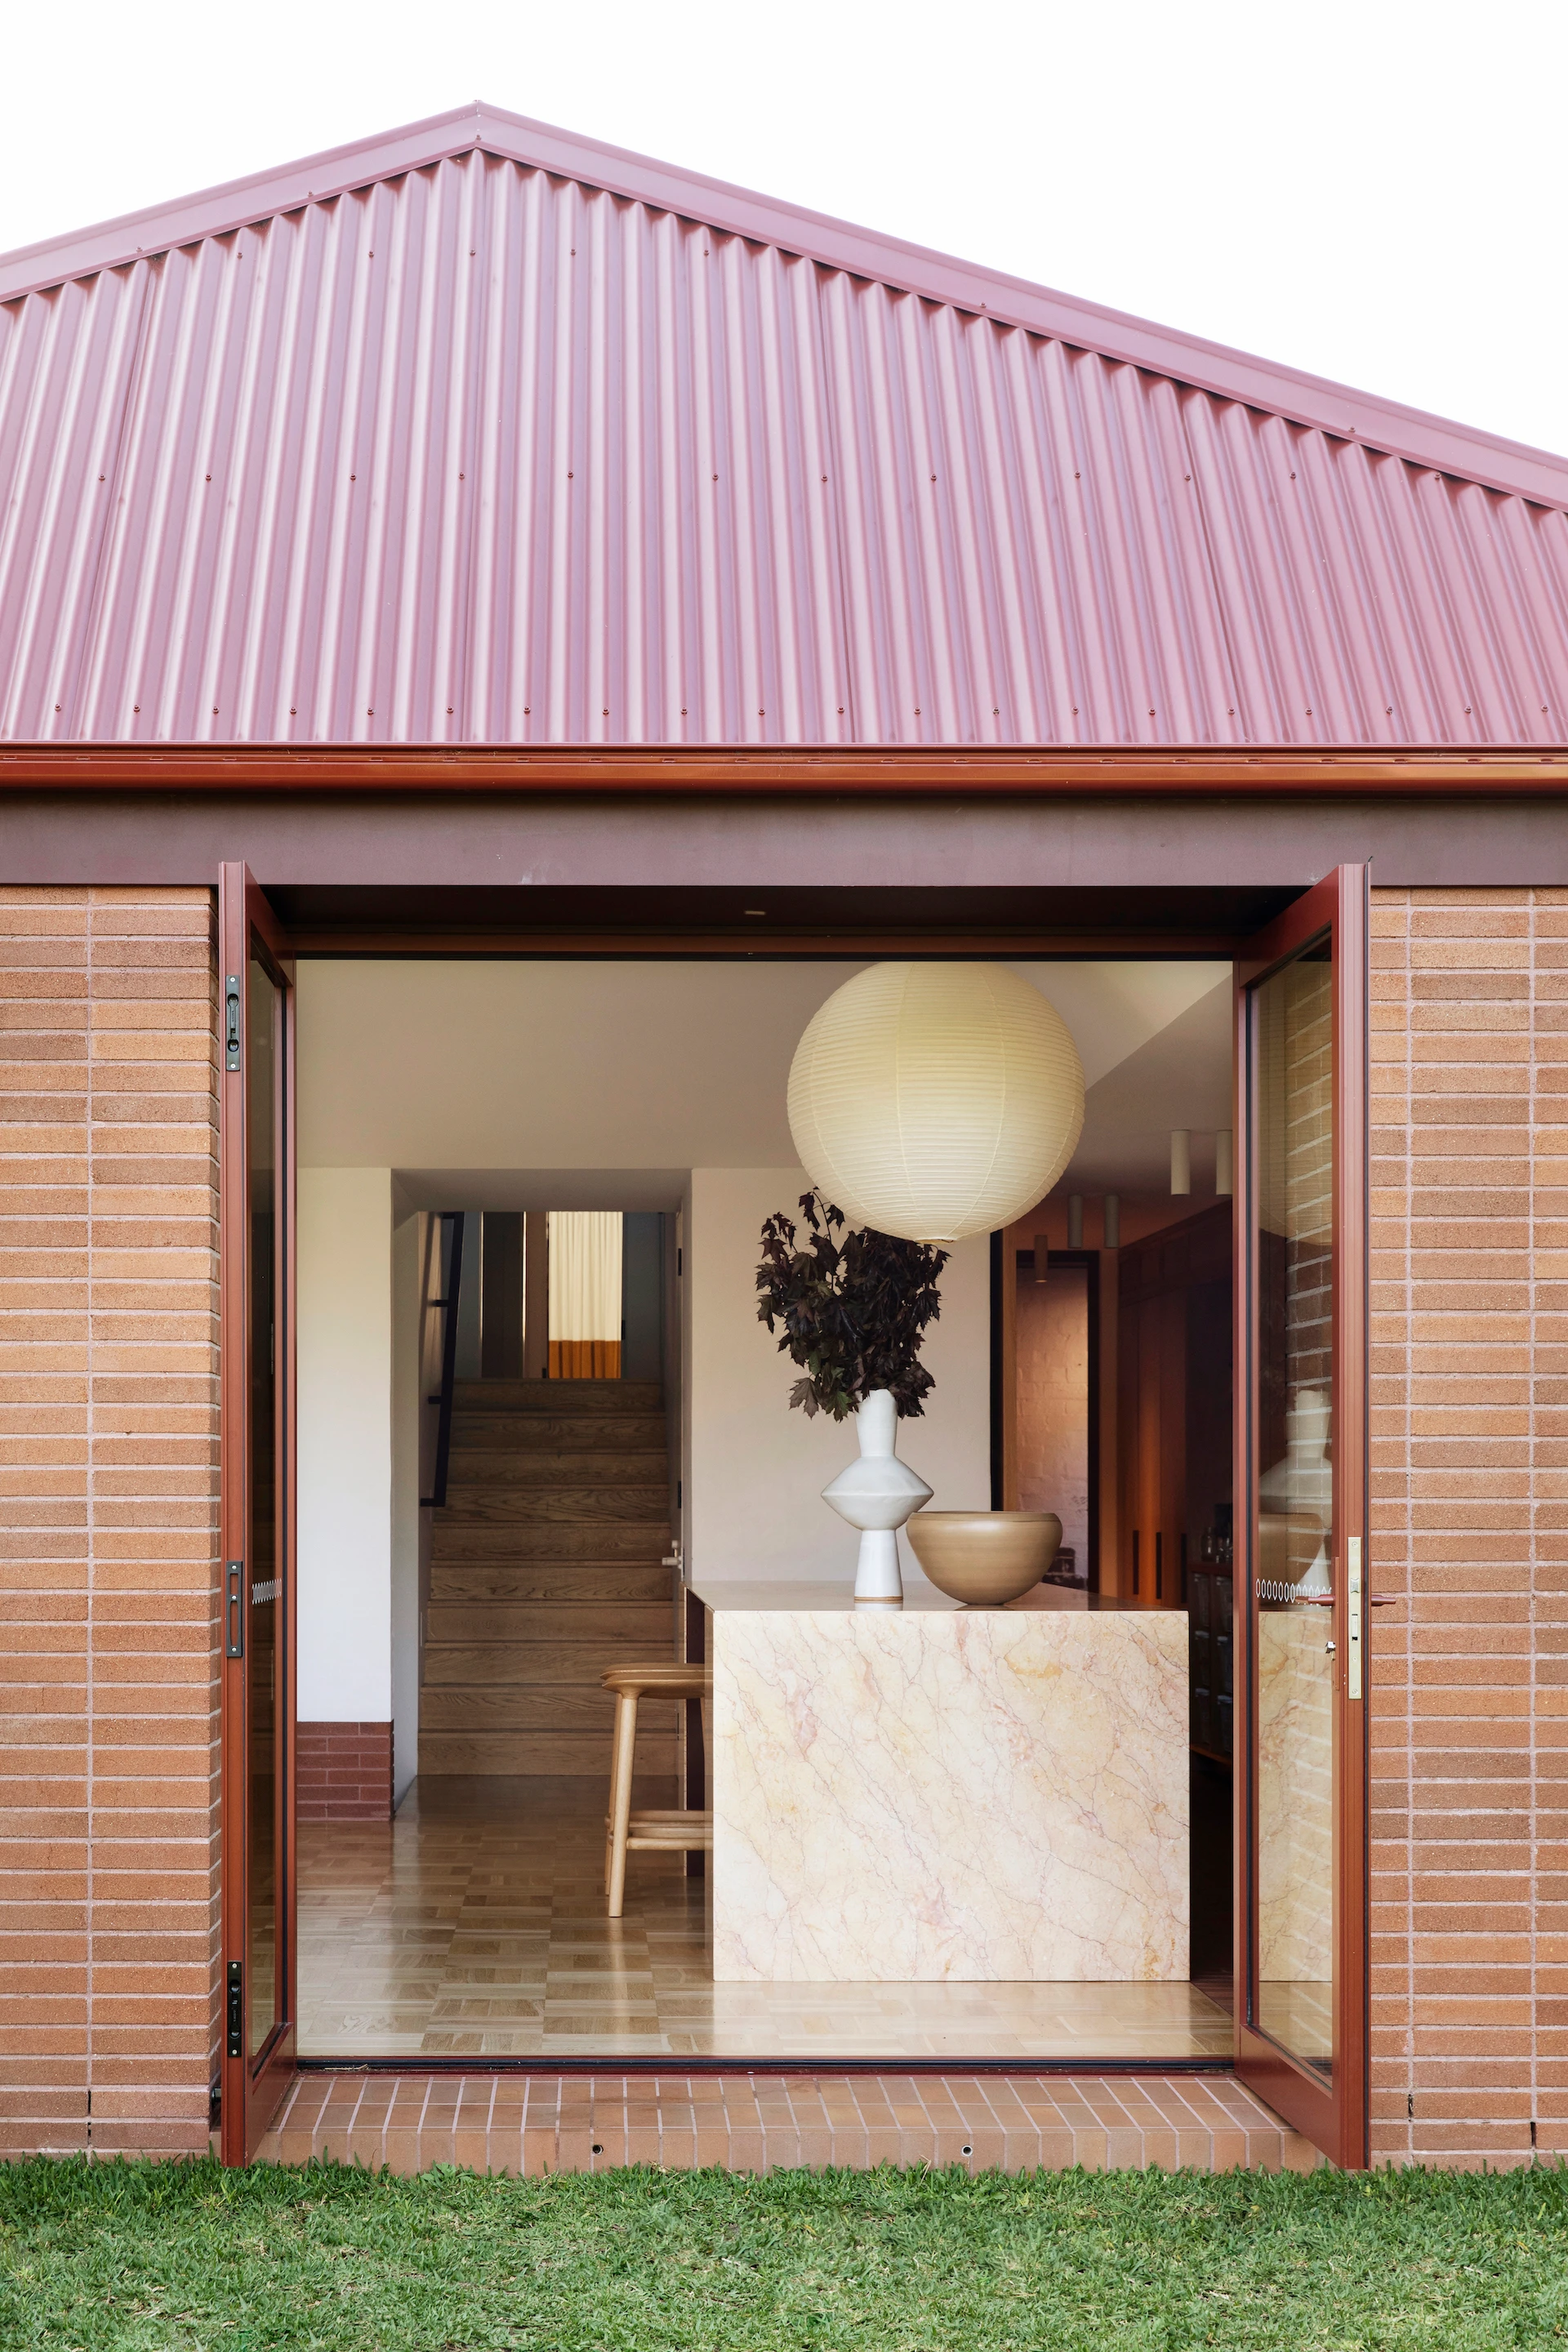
x,y
481,434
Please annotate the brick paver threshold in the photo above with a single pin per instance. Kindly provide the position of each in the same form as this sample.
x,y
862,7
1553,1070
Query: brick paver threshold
x,y
755,2123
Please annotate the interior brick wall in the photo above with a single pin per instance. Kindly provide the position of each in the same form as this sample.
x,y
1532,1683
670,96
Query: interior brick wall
x,y
1469,1418
342,1771
109,1975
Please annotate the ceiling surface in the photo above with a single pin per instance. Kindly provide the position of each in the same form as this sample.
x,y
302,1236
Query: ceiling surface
x,y
598,1085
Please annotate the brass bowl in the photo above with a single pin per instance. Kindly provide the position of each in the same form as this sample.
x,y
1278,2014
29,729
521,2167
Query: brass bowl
x,y
984,1557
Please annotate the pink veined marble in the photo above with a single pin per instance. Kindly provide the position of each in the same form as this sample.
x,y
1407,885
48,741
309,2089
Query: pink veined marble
x,y
984,1795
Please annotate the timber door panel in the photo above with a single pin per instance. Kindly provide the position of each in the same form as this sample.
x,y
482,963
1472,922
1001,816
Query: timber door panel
x,y
1301,1518
255,1147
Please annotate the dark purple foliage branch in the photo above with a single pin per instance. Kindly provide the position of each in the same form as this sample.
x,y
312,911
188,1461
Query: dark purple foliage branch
x,y
854,1307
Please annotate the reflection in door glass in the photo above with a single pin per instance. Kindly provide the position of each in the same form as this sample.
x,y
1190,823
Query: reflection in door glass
x,y
262,1563
1294,1551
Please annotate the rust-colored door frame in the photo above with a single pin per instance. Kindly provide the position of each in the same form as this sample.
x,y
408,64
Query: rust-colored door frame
x,y
1334,2120
253,2084
1332,2114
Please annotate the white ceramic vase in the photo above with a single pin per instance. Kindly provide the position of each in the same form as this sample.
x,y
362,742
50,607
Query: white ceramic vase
x,y
877,1495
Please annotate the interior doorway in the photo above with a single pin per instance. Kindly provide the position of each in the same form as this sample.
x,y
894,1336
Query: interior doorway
x,y
519,1958
587,1468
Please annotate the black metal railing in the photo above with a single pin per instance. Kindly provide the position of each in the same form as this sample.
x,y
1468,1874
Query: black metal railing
x,y
451,1292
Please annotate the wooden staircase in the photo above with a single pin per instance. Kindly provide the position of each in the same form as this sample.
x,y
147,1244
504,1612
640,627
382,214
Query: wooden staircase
x,y
547,1566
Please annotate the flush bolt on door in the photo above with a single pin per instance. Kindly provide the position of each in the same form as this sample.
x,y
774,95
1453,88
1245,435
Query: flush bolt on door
x,y
231,1022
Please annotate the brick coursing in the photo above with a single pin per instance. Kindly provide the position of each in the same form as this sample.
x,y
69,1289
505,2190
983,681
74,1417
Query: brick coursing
x,y
342,1771
1469,1381
108,1552
109,1955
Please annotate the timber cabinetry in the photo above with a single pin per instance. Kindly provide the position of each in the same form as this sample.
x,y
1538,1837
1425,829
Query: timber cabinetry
x,y
1173,1410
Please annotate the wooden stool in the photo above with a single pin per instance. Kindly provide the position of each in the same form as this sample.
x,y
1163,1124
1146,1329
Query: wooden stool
x,y
673,1832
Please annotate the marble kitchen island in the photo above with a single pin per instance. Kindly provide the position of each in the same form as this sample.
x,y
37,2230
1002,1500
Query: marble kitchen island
x,y
932,1794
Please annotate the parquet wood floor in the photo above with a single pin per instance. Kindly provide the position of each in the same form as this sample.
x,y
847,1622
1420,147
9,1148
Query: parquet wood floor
x,y
474,1925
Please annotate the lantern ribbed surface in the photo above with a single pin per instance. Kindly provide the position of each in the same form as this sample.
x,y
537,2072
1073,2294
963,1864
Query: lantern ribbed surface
x,y
934,1100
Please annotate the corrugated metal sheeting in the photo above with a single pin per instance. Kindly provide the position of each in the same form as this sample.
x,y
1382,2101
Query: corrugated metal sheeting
x,y
480,454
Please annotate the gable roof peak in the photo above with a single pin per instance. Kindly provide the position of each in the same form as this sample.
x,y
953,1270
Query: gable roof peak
x,y
1389,427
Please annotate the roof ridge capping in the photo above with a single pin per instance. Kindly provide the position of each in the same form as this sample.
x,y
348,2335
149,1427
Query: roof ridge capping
x,y
1387,426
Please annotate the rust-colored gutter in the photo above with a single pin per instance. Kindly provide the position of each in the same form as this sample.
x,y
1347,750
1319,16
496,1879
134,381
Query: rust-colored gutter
x,y
872,770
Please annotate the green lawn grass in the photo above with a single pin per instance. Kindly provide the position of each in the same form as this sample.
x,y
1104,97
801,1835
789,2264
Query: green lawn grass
x,y
142,2257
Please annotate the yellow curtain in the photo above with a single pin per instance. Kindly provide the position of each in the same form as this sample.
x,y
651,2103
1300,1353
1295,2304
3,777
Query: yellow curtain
x,y
586,1294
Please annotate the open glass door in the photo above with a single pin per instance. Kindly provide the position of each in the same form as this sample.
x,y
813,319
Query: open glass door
x,y
1300,1485
255,1281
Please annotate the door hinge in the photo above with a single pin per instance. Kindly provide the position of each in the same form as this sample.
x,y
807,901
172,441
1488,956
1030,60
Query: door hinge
x,y
236,2010
1353,1617
234,1610
231,1022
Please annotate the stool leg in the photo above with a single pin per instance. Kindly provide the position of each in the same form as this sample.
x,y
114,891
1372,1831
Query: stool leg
x,y
621,1797
614,1783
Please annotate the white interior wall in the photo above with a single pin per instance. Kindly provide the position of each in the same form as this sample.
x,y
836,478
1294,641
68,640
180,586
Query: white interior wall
x,y
755,1469
470,1073
407,1260
345,1436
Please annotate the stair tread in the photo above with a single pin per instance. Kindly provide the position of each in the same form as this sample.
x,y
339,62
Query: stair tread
x,y
450,1664
576,1580
548,1563
632,1504
610,1397
485,1433
530,1752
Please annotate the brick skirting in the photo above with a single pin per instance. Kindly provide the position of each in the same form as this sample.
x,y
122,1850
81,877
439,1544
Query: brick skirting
x,y
343,1771
758,2123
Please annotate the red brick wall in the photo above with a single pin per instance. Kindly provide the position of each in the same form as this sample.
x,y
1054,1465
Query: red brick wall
x,y
1469,1187
342,1771
109,1978
108,1459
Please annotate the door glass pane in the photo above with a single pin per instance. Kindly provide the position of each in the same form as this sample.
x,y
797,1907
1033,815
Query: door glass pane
x,y
263,1558
1294,1549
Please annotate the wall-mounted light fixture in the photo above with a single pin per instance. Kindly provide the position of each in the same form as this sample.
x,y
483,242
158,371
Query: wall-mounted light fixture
x,y
1181,1159
1224,1162
1113,1221
1075,1220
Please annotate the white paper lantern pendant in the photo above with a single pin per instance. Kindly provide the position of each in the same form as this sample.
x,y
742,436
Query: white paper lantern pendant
x,y
935,1100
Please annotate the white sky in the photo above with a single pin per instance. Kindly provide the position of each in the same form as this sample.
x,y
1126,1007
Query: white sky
x,y
1375,193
